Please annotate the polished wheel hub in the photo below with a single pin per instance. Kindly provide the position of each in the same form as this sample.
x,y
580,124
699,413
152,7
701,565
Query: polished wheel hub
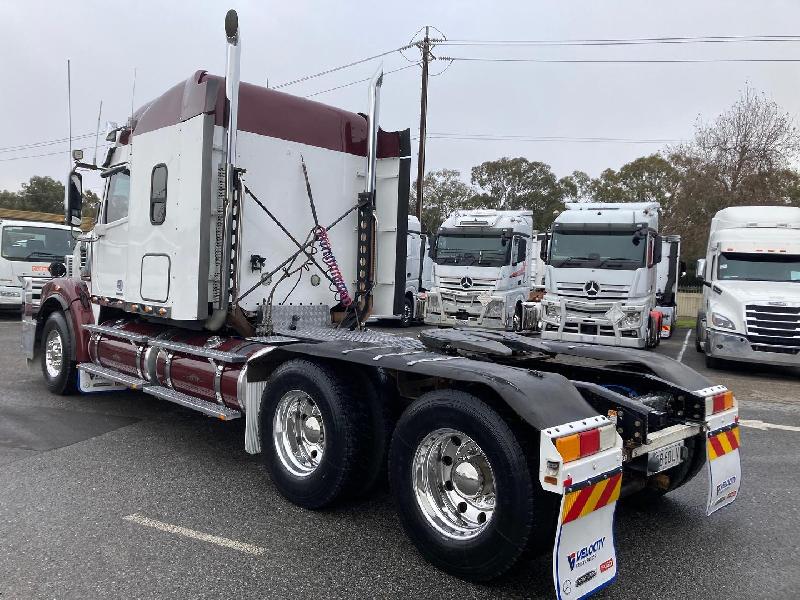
x,y
54,353
453,484
298,433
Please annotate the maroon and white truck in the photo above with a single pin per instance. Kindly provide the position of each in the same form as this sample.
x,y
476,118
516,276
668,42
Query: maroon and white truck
x,y
246,235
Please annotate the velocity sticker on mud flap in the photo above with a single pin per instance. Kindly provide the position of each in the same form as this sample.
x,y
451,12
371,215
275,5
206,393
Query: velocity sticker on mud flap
x,y
724,467
584,559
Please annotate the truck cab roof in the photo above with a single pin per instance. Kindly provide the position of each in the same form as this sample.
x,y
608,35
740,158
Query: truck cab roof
x,y
589,213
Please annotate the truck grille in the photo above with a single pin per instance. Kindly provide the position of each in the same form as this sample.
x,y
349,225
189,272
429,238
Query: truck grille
x,y
35,290
478,285
773,328
607,291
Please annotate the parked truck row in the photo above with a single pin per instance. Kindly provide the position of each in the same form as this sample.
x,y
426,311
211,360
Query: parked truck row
x,y
244,238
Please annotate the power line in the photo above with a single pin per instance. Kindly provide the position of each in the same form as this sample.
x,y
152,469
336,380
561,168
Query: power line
x,y
619,61
340,67
44,143
625,41
485,137
42,155
344,85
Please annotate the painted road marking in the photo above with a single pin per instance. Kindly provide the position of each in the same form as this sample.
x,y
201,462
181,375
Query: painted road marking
x,y
755,424
685,343
197,535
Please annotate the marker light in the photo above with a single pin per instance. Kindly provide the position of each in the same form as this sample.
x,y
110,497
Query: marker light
x,y
719,402
585,443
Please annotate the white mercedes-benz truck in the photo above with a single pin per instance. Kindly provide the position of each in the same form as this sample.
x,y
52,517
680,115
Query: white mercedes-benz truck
x,y
601,276
482,272
751,287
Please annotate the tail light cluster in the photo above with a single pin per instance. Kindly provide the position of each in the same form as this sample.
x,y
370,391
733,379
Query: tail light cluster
x,y
584,443
719,402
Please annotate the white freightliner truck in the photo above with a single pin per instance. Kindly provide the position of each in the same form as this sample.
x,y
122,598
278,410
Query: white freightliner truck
x,y
244,237
482,271
601,276
419,276
751,287
26,250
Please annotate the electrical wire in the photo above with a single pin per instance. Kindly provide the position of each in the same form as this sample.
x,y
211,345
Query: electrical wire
x,y
479,137
339,87
41,155
44,143
340,67
624,41
618,61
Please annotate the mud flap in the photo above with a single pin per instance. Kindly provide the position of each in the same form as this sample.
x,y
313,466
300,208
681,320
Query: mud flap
x,y
584,558
724,467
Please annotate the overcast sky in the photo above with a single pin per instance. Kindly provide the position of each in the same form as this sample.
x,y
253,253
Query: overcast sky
x,y
167,41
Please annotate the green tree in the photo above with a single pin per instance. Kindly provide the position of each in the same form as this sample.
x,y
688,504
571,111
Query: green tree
x,y
42,194
519,184
443,192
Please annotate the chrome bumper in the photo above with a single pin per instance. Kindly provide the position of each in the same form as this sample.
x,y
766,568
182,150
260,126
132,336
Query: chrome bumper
x,y
735,346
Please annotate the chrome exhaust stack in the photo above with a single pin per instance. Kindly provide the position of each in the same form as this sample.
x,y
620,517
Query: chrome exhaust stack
x,y
372,142
232,78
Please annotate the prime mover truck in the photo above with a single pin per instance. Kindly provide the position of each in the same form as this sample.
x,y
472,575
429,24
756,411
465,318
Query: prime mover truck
x,y
245,236
482,274
602,275
751,287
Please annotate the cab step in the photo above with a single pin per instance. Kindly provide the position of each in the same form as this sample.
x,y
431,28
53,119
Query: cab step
x,y
223,413
220,355
129,381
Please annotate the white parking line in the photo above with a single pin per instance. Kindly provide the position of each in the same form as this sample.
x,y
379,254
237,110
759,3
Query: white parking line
x,y
755,424
197,535
685,343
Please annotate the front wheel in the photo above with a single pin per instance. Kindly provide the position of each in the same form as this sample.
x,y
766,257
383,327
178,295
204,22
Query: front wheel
x,y
463,487
57,356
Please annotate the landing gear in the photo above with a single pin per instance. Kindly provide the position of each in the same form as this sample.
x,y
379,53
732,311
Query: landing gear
x,y
407,317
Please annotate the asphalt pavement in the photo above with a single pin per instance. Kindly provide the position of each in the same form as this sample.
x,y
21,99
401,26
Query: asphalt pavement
x,y
121,495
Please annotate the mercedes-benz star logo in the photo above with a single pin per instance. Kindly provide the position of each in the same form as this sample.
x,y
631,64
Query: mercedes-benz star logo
x,y
592,288
466,282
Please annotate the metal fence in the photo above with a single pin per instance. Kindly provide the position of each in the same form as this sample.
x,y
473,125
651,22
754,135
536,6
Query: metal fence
x,y
690,299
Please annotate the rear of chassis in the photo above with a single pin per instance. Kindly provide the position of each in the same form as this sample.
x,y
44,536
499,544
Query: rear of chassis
x,y
494,443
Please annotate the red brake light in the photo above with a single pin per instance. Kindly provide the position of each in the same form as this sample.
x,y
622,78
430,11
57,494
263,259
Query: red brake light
x,y
590,441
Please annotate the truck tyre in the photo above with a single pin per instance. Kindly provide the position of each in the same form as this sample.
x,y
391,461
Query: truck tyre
x,y
463,486
57,356
407,317
312,433
517,321
712,363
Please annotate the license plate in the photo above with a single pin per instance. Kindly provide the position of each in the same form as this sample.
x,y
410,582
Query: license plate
x,y
664,458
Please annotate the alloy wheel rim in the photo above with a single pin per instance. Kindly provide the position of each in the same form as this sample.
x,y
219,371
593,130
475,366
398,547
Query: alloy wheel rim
x,y
298,433
53,354
453,484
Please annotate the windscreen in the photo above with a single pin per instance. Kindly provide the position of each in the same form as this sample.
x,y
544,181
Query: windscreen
x,y
482,250
759,267
36,244
597,249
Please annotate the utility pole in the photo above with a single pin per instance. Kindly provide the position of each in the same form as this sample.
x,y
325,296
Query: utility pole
x,y
423,118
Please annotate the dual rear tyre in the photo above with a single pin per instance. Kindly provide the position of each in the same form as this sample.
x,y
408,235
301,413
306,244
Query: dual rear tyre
x,y
461,480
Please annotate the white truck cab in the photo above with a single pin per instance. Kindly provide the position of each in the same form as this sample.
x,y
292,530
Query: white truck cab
x,y
751,287
600,281
27,249
482,271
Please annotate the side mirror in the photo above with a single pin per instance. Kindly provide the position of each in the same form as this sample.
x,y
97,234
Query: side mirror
x,y
701,269
682,268
657,249
74,199
544,247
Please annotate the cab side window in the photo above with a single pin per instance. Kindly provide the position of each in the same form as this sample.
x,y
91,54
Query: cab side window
x,y
117,197
158,194
521,250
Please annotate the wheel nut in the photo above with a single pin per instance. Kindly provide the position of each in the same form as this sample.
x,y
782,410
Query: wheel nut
x,y
462,507
448,485
448,460
456,440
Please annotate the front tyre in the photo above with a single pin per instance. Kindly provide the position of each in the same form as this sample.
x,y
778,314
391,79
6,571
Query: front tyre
x,y
312,433
57,356
463,488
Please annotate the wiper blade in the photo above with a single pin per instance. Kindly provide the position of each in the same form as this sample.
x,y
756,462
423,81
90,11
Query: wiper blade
x,y
40,254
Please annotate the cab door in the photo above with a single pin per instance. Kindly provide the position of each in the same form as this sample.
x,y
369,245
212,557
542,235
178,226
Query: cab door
x,y
110,251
